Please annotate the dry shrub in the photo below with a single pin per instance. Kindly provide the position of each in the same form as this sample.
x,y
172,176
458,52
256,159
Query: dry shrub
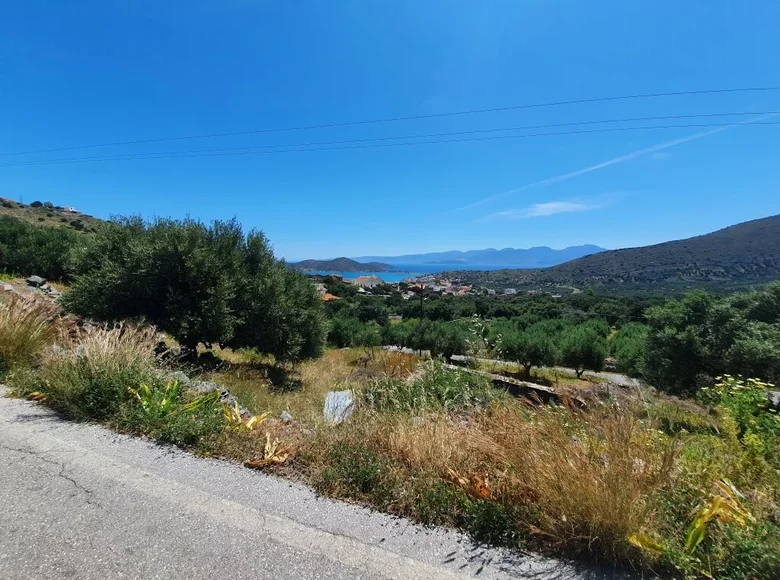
x,y
26,327
594,476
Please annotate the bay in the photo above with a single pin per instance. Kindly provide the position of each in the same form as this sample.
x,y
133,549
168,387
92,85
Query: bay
x,y
404,271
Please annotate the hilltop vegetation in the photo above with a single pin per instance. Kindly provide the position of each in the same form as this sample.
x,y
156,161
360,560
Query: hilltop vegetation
x,y
26,249
45,213
342,265
737,256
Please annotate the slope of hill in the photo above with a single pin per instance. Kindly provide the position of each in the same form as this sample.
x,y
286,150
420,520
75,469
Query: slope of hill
x,y
47,214
738,255
341,265
538,257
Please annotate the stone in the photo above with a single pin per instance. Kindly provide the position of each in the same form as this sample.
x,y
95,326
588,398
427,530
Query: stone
x,y
339,405
204,386
8,288
286,417
35,281
774,399
183,379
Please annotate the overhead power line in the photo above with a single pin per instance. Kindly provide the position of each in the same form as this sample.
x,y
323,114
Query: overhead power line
x,y
301,148
404,118
119,156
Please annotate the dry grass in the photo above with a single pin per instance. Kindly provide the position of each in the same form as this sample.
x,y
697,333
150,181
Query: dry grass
x,y
301,393
26,327
594,477
115,348
583,482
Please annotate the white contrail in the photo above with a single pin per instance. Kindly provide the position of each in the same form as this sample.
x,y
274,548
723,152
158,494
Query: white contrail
x,y
616,160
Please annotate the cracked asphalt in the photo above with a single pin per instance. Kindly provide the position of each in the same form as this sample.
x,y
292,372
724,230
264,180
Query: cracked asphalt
x,y
79,501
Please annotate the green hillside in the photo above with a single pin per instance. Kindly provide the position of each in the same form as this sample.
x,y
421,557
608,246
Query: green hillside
x,y
737,256
342,265
44,213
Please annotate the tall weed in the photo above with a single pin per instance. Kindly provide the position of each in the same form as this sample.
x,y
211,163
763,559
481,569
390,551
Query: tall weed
x,y
26,327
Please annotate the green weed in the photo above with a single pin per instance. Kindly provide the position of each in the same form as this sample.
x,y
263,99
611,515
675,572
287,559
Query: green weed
x,y
436,388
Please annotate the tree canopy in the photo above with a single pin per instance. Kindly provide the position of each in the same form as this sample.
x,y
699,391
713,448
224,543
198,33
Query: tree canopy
x,y
202,284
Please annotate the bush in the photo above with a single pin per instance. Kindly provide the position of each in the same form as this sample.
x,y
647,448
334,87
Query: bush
x,y
436,389
163,414
344,331
746,402
26,327
26,249
701,336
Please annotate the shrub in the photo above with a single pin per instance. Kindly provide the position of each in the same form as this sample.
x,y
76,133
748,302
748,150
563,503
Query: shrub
x,y
700,336
745,400
160,412
26,249
436,389
344,331
91,380
26,327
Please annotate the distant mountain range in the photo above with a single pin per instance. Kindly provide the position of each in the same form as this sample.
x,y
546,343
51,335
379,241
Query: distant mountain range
x,y
342,265
538,257
736,256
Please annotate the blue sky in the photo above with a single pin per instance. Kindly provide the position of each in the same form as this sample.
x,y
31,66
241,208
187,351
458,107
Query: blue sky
x,y
78,73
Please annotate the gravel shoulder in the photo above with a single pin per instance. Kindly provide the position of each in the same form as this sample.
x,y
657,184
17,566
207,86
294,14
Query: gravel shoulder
x,y
80,501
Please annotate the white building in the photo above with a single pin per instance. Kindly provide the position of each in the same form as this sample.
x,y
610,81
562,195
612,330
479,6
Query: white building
x,y
367,281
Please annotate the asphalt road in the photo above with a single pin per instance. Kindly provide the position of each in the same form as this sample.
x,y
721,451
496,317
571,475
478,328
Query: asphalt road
x,y
79,501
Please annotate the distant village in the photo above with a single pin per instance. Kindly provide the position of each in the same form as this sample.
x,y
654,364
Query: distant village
x,y
429,284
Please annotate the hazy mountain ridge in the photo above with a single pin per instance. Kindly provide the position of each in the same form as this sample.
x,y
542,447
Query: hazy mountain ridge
x,y
536,257
341,265
739,255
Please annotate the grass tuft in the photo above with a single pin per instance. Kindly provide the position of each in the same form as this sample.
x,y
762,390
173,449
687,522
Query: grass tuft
x,y
90,378
26,328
